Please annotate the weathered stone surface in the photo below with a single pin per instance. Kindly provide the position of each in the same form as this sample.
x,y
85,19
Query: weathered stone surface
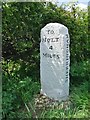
x,y
54,61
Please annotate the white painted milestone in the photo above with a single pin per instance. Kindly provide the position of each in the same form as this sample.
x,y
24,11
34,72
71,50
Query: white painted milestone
x,y
54,61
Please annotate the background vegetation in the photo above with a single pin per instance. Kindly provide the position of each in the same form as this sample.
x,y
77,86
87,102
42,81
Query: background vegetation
x,y
22,23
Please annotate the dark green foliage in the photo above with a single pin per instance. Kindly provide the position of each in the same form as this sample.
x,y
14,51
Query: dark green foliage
x,y
21,25
17,89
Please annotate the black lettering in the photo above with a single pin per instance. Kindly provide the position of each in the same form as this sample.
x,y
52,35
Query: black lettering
x,y
57,56
48,31
44,39
53,55
50,56
66,80
48,40
53,40
66,35
68,41
66,77
67,72
51,47
57,39
45,54
52,32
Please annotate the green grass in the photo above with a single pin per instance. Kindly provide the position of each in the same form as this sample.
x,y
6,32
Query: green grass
x,y
19,91
79,108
